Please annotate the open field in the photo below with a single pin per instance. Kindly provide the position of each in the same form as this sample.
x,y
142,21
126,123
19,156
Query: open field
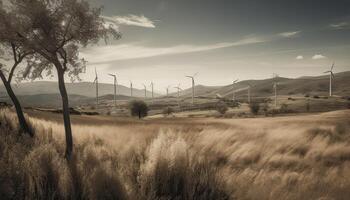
x,y
290,157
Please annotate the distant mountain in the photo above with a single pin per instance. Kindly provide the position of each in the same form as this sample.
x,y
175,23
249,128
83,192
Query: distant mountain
x,y
316,85
82,88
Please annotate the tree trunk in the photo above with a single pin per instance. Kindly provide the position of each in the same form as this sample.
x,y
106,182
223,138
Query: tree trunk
x,y
66,116
21,119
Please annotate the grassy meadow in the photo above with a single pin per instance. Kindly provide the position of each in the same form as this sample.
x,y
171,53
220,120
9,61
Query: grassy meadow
x,y
289,157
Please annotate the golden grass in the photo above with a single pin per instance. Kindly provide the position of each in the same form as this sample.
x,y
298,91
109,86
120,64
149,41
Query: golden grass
x,y
271,158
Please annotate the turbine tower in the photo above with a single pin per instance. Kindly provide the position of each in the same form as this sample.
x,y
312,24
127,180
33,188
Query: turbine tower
x,y
233,90
249,87
152,84
131,94
193,84
115,88
145,88
275,87
331,77
167,91
178,91
96,83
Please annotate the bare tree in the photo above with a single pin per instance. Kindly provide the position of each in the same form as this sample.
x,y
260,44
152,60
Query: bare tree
x,y
7,73
55,30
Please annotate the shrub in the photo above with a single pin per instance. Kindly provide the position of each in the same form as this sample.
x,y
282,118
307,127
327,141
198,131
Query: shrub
x,y
168,111
254,108
266,108
138,108
221,107
316,97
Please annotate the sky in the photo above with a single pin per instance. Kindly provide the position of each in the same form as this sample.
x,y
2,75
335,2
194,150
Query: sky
x,y
221,40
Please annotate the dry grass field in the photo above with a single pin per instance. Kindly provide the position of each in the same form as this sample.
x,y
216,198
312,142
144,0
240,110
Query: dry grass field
x,y
291,157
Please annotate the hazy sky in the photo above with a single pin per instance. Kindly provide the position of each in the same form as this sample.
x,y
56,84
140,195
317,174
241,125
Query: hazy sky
x,y
164,40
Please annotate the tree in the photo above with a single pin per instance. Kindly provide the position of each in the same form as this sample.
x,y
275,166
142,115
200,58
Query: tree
x,y
55,30
138,108
7,73
254,107
221,107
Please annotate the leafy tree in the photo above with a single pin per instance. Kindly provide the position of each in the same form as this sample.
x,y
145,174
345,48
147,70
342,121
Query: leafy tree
x,y
55,30
11,51
138,108
221,107
254,108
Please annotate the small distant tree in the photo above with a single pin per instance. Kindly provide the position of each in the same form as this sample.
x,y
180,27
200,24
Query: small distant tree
x,y
284,108
266,108
254,108
138,108
221,107
168,111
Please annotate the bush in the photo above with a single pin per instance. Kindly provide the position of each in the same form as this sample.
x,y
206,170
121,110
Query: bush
x,y
254,108
138,108
168,111
221,107
316,97
266,108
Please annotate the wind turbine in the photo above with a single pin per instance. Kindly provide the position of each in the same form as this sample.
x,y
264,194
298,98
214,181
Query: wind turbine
x,y
331,76
115,88
152,85
96,82
193,84
275,87
178,91
233,89
167,91
249,87
131,89
145,88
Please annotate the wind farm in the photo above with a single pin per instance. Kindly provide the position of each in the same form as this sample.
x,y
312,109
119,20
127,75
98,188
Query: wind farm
x,y
174,100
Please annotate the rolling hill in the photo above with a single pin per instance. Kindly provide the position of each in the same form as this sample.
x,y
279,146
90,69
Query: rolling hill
x,y
86,89
317,85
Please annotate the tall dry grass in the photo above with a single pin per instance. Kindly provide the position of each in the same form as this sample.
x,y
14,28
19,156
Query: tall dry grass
x,y
182,161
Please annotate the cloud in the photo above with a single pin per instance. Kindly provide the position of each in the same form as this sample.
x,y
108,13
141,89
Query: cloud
x,y
340,25
130,20
300,57
318,57
110,53
289,34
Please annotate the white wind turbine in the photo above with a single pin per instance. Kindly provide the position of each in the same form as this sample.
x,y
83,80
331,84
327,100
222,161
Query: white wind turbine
x,y
152,85
275,76
193,84
145,89
115,88
96,83
131,92
167,91
178,91
331,77
249,95
233,90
